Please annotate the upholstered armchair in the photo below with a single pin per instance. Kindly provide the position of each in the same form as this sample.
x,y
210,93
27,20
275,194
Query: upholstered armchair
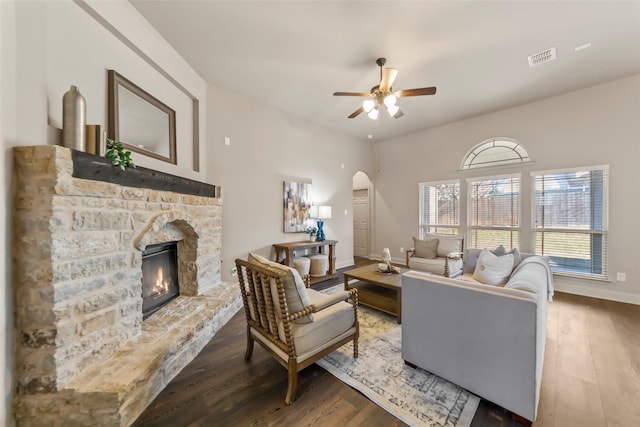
x,y
437,254
295,324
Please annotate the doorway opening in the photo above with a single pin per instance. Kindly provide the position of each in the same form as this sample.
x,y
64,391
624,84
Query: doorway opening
x,y
362,189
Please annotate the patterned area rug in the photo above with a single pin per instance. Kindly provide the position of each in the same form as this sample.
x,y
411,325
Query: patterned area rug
x,y
415,396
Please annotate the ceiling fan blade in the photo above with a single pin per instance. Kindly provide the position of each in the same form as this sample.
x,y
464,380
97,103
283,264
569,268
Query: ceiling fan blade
x,y
416,92
398,114
355,113
351,94
388,76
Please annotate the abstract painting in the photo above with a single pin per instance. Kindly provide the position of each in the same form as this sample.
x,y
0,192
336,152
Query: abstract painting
x,y
297,200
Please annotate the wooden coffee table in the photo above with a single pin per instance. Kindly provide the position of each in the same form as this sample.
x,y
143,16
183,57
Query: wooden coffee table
x,y
377,290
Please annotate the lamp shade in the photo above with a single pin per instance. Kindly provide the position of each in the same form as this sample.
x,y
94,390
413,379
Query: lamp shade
x,y
313,212
324,212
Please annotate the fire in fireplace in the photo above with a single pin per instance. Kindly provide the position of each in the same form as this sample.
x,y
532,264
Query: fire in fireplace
x,y
159,276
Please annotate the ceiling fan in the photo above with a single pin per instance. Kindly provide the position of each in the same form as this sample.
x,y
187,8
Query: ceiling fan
x,y
383,95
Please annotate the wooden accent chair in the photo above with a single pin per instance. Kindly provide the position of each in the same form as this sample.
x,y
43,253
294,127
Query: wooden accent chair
x,y
296,325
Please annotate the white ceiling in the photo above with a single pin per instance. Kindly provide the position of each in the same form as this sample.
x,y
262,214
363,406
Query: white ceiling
x,y
293,55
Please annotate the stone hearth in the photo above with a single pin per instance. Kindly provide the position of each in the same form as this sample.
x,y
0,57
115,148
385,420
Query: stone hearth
x,y
83,354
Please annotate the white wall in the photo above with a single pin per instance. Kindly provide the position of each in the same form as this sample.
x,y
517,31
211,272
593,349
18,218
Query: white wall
x,y
593,126
48,46
267,148
80,49
7,129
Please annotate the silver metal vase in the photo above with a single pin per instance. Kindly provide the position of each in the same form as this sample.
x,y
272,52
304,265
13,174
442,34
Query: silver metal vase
x,y
74,120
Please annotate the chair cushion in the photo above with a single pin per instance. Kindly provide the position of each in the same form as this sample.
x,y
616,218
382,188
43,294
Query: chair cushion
x,y
436,266
492,269
447,243
294,288
425,248
327,324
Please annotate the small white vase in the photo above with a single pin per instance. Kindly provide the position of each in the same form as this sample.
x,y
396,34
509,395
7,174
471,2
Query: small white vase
x,y
312,238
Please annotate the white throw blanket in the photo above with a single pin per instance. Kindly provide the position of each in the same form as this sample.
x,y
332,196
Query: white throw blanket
x,y
543,262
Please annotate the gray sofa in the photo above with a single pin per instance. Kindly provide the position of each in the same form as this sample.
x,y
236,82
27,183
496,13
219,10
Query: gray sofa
x,y
487,339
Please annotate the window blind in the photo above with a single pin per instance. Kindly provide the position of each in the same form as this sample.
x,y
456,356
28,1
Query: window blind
x,y
571,220
494,211
440,207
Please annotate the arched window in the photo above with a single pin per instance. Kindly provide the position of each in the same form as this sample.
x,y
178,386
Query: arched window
x,y
495,152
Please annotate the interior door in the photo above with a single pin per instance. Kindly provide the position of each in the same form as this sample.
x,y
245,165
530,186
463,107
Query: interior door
x,y
361,223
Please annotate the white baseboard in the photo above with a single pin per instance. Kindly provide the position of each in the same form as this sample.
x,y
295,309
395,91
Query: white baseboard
x,y
344,264
572,288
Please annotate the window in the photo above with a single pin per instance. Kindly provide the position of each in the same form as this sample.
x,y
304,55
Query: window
x,y
440,207
494,211
495,152
571,220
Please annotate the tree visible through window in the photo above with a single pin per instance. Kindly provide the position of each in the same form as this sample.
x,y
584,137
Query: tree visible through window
x,y
440,207
571,220
494,211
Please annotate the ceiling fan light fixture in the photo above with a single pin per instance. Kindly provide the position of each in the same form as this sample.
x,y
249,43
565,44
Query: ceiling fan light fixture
x,y
390,100
392,110
382,95
368,105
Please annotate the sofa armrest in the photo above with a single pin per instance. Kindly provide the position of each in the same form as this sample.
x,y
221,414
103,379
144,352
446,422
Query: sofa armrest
x,y
454,255
409,254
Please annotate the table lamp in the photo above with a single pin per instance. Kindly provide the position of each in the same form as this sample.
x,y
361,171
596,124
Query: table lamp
x,y
320,213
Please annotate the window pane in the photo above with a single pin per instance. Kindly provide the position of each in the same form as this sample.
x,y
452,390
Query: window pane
x,y
440,207
495,202
494,152
571,220
489,239
494,212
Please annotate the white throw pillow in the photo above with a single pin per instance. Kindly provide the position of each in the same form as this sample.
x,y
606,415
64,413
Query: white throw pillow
x,y
493,270
500,251
294,287
447,243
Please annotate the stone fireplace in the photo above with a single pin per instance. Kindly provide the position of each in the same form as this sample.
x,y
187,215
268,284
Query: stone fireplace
x,y
83,353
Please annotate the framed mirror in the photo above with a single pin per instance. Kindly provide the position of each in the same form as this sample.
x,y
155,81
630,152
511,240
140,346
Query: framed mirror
x,y
140,121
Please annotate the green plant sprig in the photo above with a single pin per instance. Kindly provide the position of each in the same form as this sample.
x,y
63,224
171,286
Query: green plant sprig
x,y
118,155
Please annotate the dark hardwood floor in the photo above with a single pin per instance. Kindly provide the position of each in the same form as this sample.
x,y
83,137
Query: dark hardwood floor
x,y
220,388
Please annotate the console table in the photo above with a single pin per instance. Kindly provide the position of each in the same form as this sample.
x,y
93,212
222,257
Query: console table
x,y
289,248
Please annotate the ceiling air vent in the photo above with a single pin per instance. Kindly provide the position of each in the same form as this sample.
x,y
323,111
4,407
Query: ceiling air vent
x,y
542,57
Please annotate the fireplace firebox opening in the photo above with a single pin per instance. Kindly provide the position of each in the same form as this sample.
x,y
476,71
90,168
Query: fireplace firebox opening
x,y
159,276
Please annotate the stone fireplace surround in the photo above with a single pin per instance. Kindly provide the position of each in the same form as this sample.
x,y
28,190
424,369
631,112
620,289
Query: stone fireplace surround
x,y
83,354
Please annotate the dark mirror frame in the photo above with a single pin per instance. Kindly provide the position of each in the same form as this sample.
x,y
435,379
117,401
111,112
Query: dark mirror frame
x,y
115,81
